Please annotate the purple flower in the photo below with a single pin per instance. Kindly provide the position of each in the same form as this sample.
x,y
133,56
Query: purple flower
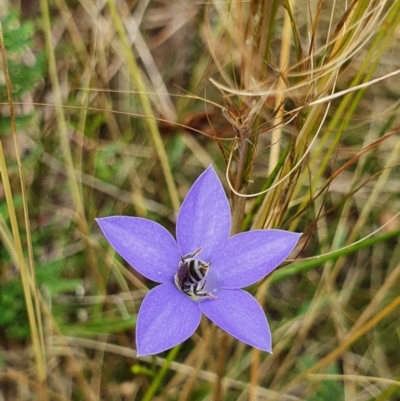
x,y
203,271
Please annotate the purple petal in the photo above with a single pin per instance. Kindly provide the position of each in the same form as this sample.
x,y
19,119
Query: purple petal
x,y
239,314
247,257
166,318
204,219
144,244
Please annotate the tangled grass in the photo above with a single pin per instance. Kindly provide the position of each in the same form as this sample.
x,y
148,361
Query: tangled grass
x,y
296,106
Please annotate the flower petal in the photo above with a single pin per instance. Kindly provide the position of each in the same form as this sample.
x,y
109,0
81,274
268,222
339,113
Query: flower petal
x,y
204,219
247,257
239,314
166,318
145,245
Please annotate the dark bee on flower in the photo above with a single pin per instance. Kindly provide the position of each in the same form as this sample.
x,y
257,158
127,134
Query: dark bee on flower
x,y
190,277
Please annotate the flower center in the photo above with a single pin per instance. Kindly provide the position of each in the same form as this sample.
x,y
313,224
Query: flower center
x,y
191,276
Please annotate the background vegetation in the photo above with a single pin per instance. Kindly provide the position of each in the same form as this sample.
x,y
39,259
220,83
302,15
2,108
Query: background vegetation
x,y
115,107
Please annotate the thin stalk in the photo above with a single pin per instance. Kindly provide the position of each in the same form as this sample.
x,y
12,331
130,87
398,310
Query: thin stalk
x,y
238,206
148,111
27,272
274,161
268,182
238,201
27,279
157,381
305,265
283,65
351,101
62,126
349,340
208,336
65,146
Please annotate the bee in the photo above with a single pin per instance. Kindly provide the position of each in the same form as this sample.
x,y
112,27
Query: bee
x,y
190,277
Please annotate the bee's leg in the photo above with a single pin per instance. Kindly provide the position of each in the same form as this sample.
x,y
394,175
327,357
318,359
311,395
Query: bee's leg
x,y
192,255
199,291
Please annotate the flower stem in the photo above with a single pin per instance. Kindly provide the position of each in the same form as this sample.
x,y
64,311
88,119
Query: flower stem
x,y
222,353
156,383
244,167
